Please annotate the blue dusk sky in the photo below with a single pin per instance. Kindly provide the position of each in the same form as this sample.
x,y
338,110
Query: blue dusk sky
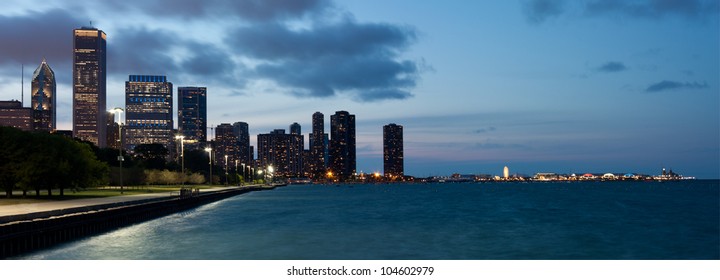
x,y
537,85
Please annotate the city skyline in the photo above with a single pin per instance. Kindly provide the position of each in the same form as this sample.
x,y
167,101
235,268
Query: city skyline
x,y
561,86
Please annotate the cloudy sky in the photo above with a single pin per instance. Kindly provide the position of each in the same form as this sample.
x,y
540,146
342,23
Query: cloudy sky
x,y
537,85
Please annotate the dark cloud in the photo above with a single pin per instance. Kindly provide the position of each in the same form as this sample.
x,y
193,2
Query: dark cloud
x,y
276,41
612,66
30,37
332,58
672,85
381,94
537,11
152,52
484,130
249,10
141,51
653,8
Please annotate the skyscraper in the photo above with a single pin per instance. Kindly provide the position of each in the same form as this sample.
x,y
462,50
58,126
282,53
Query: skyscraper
x,y
281,151
393,159
89,72
225,145
149,108
318,146
192,114
342,145
44,98
242,133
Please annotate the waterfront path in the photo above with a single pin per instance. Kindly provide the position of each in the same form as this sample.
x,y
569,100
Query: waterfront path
x,y
28,208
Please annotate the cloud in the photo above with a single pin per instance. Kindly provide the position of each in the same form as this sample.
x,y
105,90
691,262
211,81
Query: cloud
x,y
484,130
331,58
611,67
537,11
691,9
141,51
672,85
306,48
30,37
248,10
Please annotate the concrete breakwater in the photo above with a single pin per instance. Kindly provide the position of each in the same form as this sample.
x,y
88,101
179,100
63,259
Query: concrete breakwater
x,y
33,231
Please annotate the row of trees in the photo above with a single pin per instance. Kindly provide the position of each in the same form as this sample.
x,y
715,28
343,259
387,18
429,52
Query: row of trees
x,y
41,161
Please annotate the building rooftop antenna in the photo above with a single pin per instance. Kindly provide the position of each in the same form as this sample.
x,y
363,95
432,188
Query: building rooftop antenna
x,y
22,82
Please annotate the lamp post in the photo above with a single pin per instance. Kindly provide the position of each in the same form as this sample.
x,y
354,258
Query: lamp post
x,y
182,157
226,171
209,151
243,167
120,158
236,172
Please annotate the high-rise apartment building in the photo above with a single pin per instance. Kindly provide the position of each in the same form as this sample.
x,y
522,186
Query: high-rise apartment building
x,y
393,158
149,111
44,98
242,133
342,145
281,151
225,145
89,90
192,115
318,146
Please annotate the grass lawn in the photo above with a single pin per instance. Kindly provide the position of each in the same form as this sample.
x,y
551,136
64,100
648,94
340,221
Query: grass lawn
x,y
92,193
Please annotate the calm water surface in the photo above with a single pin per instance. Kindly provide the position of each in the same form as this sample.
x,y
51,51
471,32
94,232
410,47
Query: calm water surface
x,y
609,220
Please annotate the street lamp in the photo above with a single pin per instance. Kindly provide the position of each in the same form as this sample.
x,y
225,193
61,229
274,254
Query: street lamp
x,y
209,151
182,157
244,176
226,171
120,158
236,172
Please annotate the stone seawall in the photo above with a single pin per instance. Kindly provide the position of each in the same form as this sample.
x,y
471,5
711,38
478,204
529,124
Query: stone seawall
x,y
24,233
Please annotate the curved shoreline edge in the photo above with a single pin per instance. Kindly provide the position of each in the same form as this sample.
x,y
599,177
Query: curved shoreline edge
x,y
29,232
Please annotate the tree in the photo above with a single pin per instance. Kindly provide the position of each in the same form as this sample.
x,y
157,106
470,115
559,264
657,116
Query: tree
x,y
151,156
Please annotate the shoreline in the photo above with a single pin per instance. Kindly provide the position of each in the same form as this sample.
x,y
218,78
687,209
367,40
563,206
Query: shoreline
x,y
25,232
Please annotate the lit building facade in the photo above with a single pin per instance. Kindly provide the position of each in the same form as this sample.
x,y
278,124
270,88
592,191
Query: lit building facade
x,y
149,111
89,85
281,151
13,114
318,147
342,145
44,98
393,156
113,132
225,145
245,153
192,115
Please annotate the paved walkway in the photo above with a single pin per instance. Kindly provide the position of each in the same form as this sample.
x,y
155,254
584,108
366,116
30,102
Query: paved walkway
x,y
26,208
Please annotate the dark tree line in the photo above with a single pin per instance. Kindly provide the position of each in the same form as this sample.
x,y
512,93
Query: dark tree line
x,y
41,161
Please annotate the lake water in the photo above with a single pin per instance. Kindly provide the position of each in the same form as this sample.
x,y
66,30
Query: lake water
x,y
589,220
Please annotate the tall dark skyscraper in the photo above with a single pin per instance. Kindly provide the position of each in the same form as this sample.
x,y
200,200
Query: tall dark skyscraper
x,y
225,145
393,159
89,90
149,108
241,130
318,146
44,98
192,114
342,145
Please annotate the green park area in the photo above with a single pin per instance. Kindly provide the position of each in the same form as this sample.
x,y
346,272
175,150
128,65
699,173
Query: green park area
x,y
39,166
